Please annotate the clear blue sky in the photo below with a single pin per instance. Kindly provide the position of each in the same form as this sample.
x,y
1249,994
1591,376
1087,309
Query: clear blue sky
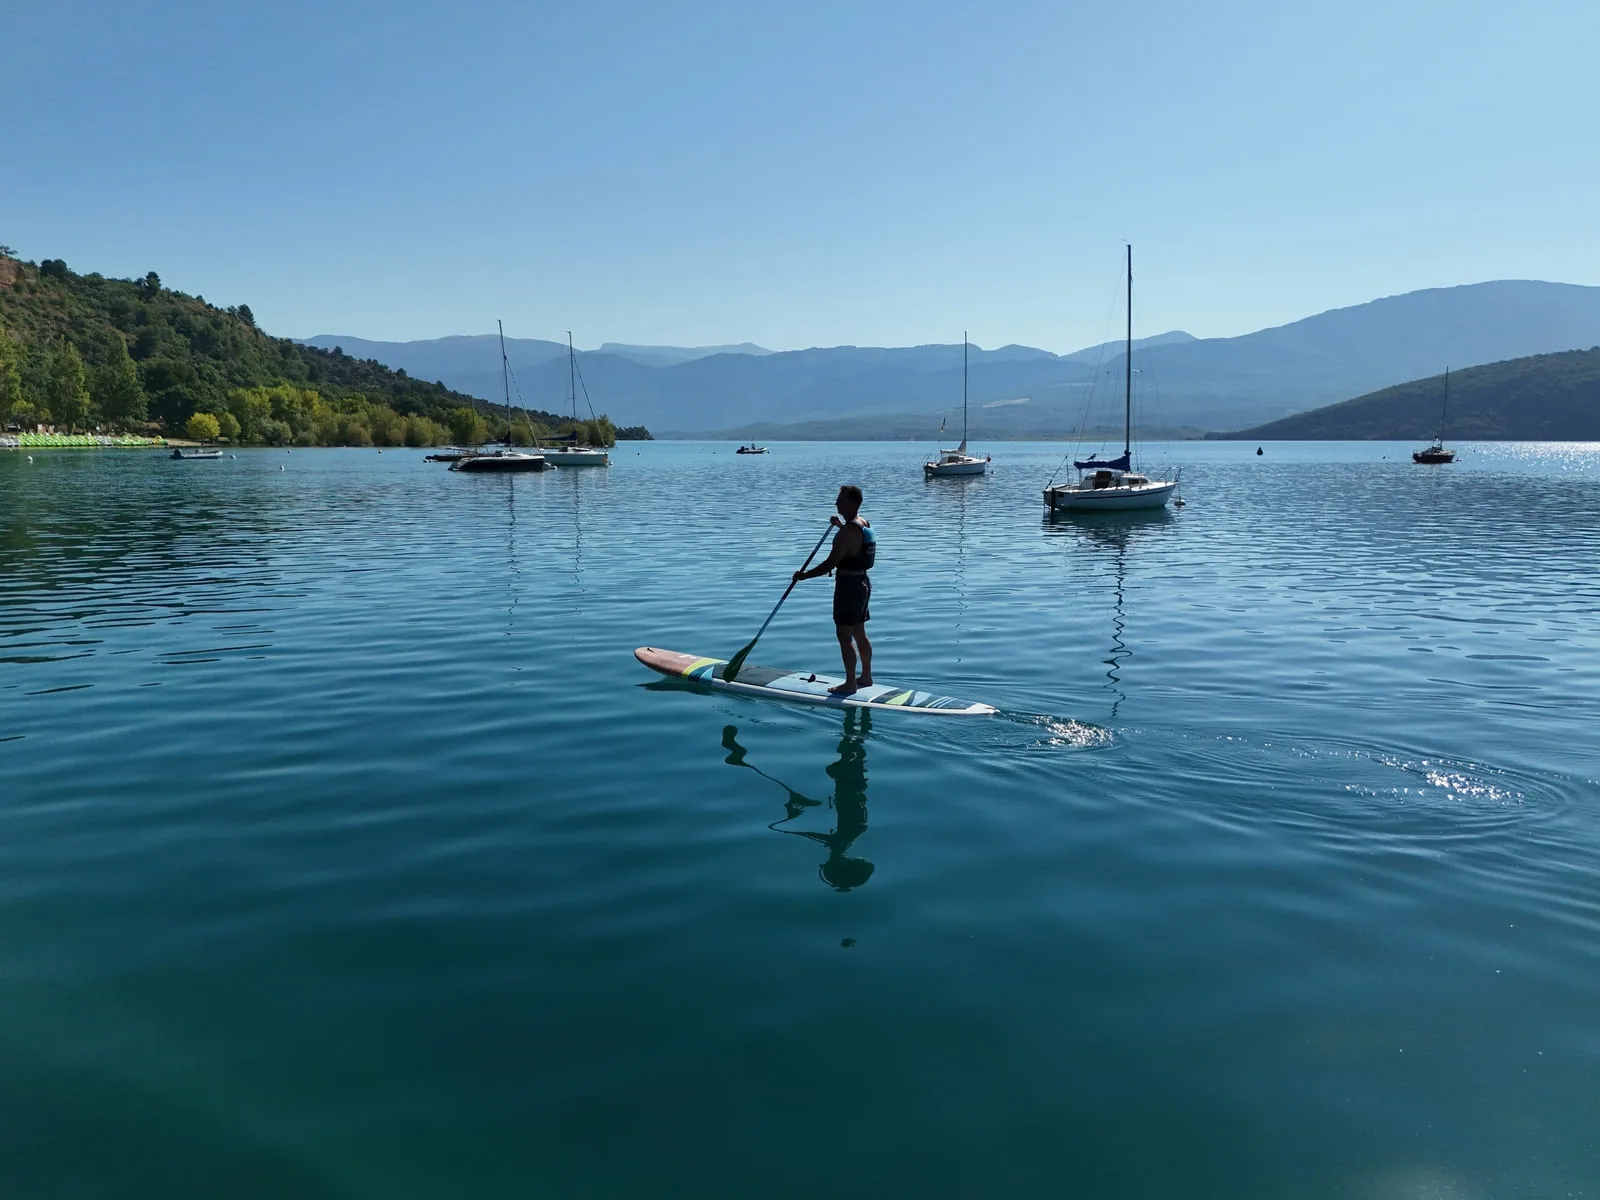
x,y
807,174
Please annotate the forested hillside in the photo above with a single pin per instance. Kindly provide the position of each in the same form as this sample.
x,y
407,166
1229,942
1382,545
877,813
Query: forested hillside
x,y
85,351
1545,397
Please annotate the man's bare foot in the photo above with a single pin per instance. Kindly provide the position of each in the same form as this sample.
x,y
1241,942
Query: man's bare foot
x,y
847,688
864,681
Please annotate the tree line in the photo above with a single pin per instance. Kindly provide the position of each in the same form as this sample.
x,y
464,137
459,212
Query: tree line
x,y
85,352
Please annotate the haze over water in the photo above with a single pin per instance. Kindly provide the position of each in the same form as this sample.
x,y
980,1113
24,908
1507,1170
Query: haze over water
x,y
345,850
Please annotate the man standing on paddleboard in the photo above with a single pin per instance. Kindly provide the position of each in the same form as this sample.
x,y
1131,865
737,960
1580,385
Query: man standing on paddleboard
x,y
854,551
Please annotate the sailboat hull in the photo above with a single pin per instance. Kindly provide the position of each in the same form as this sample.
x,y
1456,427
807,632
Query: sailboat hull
x,y
1110,499
499,462
956,466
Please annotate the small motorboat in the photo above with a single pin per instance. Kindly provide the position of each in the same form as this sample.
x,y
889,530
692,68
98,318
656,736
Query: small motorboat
x,y
752,448
180,452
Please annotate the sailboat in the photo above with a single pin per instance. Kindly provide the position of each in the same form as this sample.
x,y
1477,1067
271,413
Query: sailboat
x,y
507,458
1111,484
1436,453
570,453
958,461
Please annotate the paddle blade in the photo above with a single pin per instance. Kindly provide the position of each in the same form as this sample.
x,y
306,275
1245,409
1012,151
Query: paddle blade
x,y
737,661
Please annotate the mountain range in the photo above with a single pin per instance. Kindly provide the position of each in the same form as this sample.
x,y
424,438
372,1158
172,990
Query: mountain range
x,y
1185,384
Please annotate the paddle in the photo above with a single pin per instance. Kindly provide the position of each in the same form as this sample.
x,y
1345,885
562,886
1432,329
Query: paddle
x,y
737,661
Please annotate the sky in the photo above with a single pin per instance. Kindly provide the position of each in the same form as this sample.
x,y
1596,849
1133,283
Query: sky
x,y
801,175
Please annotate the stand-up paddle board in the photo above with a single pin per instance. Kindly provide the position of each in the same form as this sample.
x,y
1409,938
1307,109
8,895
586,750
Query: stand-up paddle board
x,y
803,687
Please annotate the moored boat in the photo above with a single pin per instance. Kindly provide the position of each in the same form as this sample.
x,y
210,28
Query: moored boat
x,y
508,458
1436,453
568,450
1111,484
957,461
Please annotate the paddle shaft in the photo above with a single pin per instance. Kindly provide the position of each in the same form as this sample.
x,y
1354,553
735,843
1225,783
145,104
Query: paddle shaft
x,y
737,660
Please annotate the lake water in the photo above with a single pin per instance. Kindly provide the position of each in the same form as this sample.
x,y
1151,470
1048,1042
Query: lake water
x,y
345,850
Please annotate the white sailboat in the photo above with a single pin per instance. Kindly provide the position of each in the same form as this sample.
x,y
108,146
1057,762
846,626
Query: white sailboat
x,y
574,454
507,458
958,461
1111,484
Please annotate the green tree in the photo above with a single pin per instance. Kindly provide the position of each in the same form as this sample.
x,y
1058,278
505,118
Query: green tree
x,y
229,425
202,427
275,433
11,368
388,427
66,390
252,408
467,428
353,431
116,387
174,388
599,432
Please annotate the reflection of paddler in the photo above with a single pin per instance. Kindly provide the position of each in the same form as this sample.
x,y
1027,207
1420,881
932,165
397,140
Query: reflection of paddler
x,y
849,774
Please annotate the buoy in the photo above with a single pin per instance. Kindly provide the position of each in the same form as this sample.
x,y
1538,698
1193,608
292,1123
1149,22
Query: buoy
x,y
283,468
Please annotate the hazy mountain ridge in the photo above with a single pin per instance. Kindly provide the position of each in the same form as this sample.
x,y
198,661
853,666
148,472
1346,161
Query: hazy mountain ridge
x,y
660,356
1203,383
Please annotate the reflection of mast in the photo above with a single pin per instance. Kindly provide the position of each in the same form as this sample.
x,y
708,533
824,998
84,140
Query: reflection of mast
x,y
1119,648
514,572
577,534
1097,531
961,566
849,801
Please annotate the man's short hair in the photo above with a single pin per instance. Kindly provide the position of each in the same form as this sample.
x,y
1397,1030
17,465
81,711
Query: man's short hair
x,y
851,493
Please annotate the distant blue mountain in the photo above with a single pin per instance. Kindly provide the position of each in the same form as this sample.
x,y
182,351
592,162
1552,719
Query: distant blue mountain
x,y
1205,384
664,356
441,358
1104,349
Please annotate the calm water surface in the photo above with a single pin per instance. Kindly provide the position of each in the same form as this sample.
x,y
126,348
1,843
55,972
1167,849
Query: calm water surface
x,y
346,851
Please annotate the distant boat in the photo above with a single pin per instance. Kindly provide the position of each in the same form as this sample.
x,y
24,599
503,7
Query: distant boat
x,y
571,453
958,461
508,459
752,448
1112,485
1436,453
180,452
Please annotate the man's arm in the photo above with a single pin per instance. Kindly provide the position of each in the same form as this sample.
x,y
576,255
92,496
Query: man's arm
x,y
846,544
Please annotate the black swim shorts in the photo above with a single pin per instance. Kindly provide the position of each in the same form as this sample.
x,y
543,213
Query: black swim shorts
x,y
851,593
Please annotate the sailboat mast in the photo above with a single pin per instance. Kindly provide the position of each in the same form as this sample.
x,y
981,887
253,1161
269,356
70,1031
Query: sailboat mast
x,y
963,391
1445,403
1127,368
505,377
572,384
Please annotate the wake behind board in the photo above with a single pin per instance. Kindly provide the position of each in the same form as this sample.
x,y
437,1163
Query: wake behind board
x,y
803,687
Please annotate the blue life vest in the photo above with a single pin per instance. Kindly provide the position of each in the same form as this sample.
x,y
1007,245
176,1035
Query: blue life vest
x,y
864,559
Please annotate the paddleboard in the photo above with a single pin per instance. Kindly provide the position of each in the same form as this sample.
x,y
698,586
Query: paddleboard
x,y
803,687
